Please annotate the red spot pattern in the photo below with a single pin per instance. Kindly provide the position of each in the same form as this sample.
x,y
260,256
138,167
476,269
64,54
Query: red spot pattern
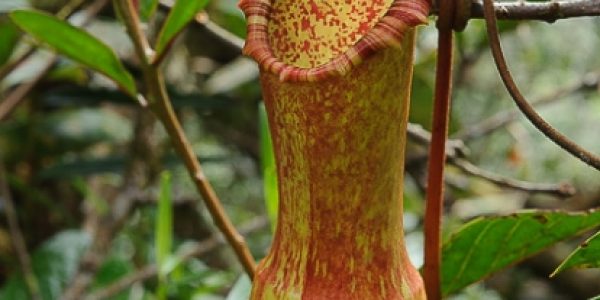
x,y
274,38
353,169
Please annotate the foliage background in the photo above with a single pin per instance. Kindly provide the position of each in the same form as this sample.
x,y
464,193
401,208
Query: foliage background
x,y
66,148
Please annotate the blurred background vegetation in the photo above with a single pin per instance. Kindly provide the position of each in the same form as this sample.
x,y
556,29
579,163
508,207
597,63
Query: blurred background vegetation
x,y
82,163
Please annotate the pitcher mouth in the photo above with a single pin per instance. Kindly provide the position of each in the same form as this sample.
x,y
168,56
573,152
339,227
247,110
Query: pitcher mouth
x,y
386,32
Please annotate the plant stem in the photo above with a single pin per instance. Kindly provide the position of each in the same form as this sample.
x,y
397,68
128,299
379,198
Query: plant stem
x,y
437,153
161,106
132,24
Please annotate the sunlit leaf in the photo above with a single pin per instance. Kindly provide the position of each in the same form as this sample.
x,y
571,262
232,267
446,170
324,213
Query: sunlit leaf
x,y
489,244
587,255
181,14
268,167
75,44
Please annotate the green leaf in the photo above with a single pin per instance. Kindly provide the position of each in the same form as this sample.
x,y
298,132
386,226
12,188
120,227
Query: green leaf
x,y
268,167
75,44
54,264
595,298
182,13
9,36
147,8
164,233
587,255
164,222
489,244
113,269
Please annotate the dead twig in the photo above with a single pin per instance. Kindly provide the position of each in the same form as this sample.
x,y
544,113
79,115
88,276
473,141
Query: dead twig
x,y
559,190
548,11
454,147
456,151
503,118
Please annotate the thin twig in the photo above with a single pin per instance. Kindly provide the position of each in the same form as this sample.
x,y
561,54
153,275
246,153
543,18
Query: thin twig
x,y
132,24
547,129
562,190
16,236
162,107
183,255
18,94
454,147
13,64
548,11
456,151
504,118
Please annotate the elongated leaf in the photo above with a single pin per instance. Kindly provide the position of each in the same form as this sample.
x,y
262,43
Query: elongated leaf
x,y
164,232
75,44
164,222
587,255
268,167
9,35
181,14
486,245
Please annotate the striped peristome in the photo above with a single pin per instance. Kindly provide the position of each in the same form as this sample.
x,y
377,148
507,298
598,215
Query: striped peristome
x,y
387,32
